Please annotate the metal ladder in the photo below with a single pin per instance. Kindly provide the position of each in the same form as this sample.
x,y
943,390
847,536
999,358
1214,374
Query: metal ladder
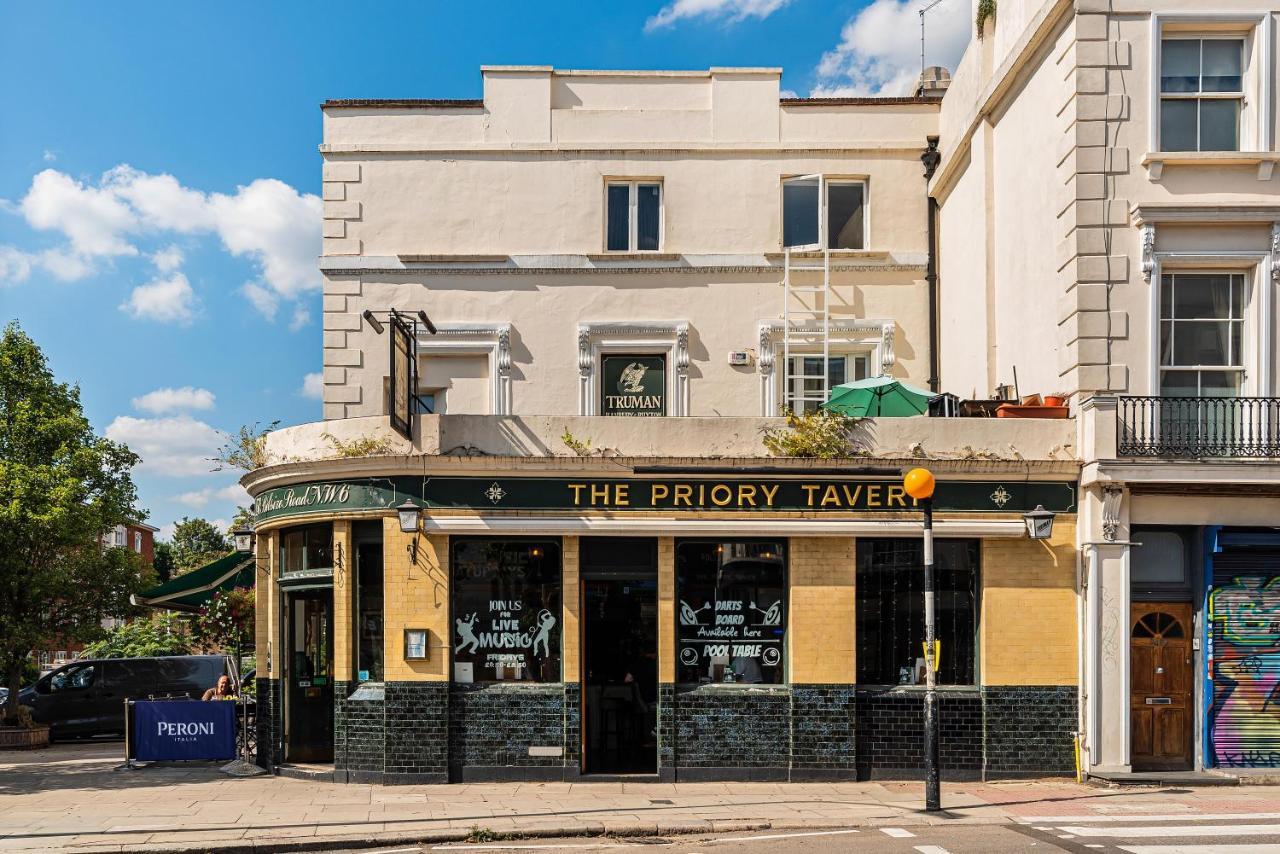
x,y
806,321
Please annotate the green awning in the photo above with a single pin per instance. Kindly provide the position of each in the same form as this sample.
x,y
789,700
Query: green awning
x,y
191,591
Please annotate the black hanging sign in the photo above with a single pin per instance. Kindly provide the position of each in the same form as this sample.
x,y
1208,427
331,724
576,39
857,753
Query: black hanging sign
x,y
401,376
633,385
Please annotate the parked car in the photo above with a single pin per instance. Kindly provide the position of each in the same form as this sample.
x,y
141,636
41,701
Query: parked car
x,y
87,697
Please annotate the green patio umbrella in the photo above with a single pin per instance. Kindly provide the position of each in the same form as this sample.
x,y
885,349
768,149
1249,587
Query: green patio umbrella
x,y
878,397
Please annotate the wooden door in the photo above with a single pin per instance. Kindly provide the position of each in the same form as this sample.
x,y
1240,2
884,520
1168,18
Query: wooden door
x,y
1161,714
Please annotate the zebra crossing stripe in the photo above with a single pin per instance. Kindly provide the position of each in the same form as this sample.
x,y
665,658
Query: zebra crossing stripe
x,y
1246,848
1132,817
1186,830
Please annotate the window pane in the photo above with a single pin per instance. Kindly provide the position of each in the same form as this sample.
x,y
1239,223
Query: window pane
x,y
1237,295
648,210
732,611
506,609
890,610
1221,65
1177,125
1201,342
1162,558
1179,65
1219,383
836,371
1166,342
1220,125
1166,296
844,216
800,212
1179,384
369,616
1202,297
619,217
1237,333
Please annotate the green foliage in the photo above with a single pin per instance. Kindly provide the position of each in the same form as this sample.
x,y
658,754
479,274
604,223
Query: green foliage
x,y
364,446
225,624
581,447
986,9
159,634
822,434
196,542
247,450
162,561
61,488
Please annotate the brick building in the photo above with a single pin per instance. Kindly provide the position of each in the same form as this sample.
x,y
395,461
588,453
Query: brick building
x,y
578,591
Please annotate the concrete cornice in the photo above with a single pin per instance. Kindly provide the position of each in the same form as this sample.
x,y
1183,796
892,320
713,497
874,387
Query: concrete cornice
x,y
759,263
1233,476
1157,212
909,147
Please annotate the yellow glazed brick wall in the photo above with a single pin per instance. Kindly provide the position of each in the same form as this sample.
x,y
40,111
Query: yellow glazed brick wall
x,y
415,596
343,584
571,603
265,607
666,610
820,631
1029,630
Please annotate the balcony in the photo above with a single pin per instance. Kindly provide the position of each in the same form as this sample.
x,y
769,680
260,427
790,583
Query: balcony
x,y
1198,427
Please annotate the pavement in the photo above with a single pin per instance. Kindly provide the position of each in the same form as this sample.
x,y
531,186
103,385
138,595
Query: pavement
x,y
71,798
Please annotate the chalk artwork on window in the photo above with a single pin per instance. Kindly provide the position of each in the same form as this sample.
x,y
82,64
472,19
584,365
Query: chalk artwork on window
x,y
506,644
688,616
772,615
466,631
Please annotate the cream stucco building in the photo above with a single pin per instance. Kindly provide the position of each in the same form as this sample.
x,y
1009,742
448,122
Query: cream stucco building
x,y
1109,228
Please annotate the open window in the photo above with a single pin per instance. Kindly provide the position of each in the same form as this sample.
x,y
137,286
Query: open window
x,y
820,211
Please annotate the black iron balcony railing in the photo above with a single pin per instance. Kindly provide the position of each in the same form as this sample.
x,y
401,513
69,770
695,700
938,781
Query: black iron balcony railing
x,y
1194,427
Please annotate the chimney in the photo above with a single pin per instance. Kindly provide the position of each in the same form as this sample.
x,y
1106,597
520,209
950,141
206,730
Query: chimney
x,y
933,83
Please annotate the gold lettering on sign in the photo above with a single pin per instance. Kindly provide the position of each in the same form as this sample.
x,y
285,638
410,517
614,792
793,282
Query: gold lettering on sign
x,y
851,498
873,495
809,490
769,493
746,494
684,492
721,495
599,493
658,491
898,494
621,495
577,492
830,496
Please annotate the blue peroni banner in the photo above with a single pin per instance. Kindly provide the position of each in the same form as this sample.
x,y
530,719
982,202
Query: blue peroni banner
x,y
184,729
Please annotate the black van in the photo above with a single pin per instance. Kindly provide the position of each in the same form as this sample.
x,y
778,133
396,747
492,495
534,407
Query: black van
x,y
87,696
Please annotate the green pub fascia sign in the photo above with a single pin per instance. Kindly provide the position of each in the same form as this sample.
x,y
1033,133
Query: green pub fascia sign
x,y
745,494
633,385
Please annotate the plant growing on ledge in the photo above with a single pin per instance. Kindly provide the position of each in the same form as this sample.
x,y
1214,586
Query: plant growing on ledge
x,y
363,446
820,434
986,9
247,451
581,447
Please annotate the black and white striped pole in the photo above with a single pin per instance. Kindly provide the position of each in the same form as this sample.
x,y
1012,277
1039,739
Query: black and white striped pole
x,y
919,485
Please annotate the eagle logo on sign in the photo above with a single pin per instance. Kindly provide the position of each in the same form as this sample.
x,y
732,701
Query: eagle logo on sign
x,y
632,376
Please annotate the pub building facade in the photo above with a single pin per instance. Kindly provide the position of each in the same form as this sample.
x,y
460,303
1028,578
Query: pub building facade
x,y
562,549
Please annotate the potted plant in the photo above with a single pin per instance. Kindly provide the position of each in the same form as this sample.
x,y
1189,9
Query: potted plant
x,y
1058,398
21,732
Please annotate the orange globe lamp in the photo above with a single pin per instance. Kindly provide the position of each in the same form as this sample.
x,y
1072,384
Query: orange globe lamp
x,y
919,484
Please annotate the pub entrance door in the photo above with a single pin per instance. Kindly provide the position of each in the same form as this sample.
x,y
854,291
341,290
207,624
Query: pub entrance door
x,y
1161,714
308,621
620,655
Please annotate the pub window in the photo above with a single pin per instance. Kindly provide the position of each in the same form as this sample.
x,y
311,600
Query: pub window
x,y
890,610
633,219
506,610
368,548
306,547
731,611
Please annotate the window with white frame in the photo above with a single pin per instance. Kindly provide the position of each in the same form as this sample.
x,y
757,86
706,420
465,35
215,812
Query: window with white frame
x,y
1202,92
633,216
818,211
137,541
119,536
805,393
1202,330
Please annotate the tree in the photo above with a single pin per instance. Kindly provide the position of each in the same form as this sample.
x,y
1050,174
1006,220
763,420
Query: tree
x,y
227,621
158,634
61,488
162,561
196,542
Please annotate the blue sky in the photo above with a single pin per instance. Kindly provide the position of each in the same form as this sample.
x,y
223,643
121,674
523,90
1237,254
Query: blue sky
x,y
158,174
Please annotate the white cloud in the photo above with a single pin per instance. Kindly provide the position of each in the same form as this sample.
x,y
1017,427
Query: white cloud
x,y
177,446
312,386
174,399
198,498
731,11
264,300
66,265
15,265
265,221
879,49
301,317
48,156
94,219
166,300
168,259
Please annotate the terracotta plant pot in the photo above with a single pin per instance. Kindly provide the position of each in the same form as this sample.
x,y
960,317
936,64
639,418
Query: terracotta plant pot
x,y
1010,410
19,738
1054,400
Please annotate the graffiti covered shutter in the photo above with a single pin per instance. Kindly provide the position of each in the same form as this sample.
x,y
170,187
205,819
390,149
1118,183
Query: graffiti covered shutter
x,y
1245,610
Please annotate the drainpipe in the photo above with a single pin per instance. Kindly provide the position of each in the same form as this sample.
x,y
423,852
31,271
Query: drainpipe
x,y
930,158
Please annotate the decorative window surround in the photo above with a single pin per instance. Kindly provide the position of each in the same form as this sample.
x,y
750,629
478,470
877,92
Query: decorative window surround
x,y
468,339
1257,148
669,337
875,336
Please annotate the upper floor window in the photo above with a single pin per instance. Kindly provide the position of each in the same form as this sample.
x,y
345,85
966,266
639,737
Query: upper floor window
x,y
820,211
137,541
1202,93
633,219
306,547
1202,334
806,392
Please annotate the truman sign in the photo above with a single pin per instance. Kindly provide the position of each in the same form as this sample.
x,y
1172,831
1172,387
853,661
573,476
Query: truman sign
x,y
737,494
